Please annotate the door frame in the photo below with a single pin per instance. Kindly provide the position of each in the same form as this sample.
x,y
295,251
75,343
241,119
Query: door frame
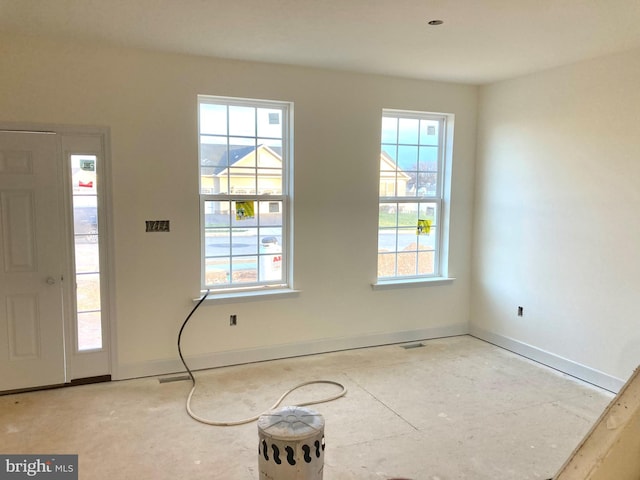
x,y
94,140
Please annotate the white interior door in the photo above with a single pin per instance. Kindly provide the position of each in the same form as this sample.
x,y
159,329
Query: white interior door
x,y
32,348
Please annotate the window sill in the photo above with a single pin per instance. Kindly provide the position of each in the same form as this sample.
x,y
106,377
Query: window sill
x,y
248,295
413,282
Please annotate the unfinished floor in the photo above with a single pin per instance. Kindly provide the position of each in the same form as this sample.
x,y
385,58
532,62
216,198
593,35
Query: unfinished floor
x,y
456,408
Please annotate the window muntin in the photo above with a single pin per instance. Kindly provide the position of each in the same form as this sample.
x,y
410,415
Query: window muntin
x,y
410,195
244,167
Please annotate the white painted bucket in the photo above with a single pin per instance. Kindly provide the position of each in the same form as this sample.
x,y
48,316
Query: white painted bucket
x,y
291,444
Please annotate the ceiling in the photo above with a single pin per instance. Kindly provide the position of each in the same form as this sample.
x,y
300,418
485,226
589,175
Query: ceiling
x,y
481,41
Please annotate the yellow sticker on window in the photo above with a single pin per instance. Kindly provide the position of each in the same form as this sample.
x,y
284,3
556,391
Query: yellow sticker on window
x,y
244,210
424,227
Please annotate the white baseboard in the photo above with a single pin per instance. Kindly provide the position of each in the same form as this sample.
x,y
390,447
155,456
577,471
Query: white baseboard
x,y
274,352
582,372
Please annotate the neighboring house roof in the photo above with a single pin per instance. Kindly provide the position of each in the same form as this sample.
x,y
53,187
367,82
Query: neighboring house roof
x,y
234,154
388,167
220,158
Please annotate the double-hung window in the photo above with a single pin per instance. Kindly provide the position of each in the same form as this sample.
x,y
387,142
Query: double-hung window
x,y
412,196
244,163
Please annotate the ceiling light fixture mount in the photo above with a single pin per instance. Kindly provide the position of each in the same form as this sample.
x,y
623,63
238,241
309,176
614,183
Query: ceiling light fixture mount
x,y
435,22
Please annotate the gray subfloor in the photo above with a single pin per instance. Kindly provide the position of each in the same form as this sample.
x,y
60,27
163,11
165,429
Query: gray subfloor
x,y
457,408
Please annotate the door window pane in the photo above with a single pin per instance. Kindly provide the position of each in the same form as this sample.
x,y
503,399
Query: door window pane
x,y
86,252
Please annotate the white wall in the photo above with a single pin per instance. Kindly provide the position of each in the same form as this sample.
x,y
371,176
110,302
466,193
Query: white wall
x,y
557,217
149,102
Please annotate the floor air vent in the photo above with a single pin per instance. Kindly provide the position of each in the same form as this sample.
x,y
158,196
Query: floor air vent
x,y
413,345
174,379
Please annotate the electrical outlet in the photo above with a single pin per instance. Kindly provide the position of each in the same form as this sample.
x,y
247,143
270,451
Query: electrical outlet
x,y
520,311
157,225
233,320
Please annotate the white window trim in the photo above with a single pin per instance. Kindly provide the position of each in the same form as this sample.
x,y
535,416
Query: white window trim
x,y
443,276
284,287
237,296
